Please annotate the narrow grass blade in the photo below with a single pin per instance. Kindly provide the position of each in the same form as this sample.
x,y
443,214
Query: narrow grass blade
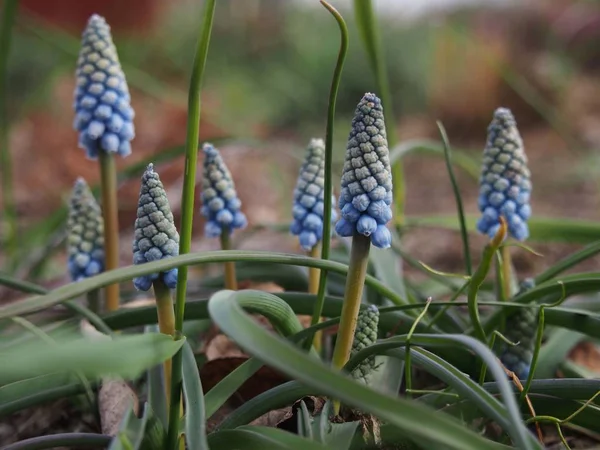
x,y
61,440
195,418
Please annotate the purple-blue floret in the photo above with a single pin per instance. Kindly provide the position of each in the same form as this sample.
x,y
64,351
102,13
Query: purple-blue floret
x,y
155,235
308,207
220,203
505,182
103,113
366,195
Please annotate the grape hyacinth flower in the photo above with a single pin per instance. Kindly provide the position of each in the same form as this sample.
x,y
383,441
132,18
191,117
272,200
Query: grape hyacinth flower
x,y
366,196
103,114
155,235
521,328
85,233
220,203
308,205
505,185
364,336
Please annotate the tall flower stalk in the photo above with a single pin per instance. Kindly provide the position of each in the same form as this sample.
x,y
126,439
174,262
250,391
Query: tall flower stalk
x,y
85,238
156,238
309,208
505,190
365,203
104,120
221,206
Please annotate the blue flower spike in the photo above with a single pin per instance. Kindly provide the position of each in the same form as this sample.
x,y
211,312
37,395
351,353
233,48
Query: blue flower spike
x,y
365,336
366,195
103,114
505,185
308,208
220,203
155,235
85,233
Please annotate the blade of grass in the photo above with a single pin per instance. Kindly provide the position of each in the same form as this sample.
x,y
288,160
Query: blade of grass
x,y
195,419
9,12
457,197
333,91
61,440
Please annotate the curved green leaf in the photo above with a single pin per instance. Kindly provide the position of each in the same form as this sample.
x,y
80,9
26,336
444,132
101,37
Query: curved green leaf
x,y
195,419
410,416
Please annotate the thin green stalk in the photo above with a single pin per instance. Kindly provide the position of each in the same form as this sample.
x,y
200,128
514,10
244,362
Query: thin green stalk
x,y
335,84
93,301
230,278
355,281
407,359
9,12
187,211
110,214
479,277
459,204
313,288
166,323
506,268
369,33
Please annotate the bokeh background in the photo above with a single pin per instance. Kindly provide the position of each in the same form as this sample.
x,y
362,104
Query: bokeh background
x,y
265,95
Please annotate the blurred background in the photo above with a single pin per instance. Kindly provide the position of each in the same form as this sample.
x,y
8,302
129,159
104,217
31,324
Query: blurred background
x,y
265,95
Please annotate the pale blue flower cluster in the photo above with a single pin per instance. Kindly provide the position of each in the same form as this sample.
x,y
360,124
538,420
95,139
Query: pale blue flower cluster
x,y
366,196
308,208
155,235
103,114
85,233
365,336
220,203
505,185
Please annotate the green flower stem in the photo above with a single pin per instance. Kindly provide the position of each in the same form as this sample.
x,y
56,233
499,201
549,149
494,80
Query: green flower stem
x,y
230,278
93,301
369,33
479,277
9,12
355,281
335,84
166,322
187,212
313,288
110,214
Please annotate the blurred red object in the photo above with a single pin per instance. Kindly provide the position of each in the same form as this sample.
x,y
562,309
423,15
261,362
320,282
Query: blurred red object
x,y
123,16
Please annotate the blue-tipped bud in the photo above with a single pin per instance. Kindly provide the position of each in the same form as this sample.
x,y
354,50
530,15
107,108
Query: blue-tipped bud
x,y
221,205
155,235
366,195
85,233
103,114
364,336
504,185
308,208
521,329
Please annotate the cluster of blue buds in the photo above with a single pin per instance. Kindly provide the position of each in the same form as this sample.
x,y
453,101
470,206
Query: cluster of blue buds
x,y
309,194
365,336
521,329
155,234
103,114
366,196
505,185
85,233
220,203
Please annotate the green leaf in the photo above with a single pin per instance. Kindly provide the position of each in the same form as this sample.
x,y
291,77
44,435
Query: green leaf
x,y
542,229
289,440
244,440
555,350
414,418
156,385
145,433
121,274
195,419
126,357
